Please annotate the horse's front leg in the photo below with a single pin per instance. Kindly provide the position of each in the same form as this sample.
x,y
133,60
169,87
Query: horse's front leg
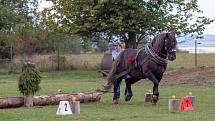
x,y
116,90
128,92
155,82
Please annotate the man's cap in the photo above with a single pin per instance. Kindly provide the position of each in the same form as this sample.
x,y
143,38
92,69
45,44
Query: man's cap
x,y
117,43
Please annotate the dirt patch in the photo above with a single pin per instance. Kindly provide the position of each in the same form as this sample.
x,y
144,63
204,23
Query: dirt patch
x,y
199,76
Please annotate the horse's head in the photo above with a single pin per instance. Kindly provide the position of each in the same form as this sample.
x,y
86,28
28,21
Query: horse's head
x,y
170,46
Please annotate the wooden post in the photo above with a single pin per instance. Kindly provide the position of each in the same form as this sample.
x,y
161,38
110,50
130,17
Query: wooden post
x,y
148,97
174,104
192,100
75,106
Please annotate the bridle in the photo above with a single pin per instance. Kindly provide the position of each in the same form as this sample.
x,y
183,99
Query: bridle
x,y
171,50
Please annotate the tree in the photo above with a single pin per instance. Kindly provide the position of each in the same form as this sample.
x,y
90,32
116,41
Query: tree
x,y
15,15
130,20
28,82
4,47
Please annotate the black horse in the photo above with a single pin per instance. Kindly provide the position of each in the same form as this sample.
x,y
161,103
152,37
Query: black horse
x,y
150,62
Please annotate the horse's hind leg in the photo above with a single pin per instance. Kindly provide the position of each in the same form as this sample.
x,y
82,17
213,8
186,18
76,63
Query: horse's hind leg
x,y
116,89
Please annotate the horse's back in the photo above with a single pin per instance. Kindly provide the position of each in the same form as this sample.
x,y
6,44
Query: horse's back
x,y
122,64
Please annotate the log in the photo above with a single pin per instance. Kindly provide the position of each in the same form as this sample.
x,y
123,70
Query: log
x,y
174,105
10,102
53,99
56,98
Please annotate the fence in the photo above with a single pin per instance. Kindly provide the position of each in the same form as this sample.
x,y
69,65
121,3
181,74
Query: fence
x,y
52,62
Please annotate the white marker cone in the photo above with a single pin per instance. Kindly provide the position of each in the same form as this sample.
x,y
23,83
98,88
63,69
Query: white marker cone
x,y
64,108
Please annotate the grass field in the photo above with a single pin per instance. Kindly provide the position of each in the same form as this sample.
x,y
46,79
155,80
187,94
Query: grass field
x,y
186,60
135,110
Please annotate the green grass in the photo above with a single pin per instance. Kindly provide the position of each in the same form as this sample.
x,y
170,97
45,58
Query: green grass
x,y
186,60
135,110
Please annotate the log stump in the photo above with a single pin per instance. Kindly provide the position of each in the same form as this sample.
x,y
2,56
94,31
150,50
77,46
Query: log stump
x,y
192,100
174,105
75,107
148,97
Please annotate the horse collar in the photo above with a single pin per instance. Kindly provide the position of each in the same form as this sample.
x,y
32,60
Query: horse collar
x,y
154,56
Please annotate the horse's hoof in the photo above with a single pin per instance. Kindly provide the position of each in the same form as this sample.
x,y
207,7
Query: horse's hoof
x,y
128,97
115,102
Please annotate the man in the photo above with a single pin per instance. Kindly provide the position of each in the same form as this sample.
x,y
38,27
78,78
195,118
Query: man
x,y
117,49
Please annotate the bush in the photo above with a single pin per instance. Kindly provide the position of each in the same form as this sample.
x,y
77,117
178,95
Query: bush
x,y
29,79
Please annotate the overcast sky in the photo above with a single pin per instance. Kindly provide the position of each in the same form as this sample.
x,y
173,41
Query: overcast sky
x,y
209,11
208,7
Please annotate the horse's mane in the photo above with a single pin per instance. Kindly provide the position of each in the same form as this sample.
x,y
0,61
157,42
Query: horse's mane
x,y
158,40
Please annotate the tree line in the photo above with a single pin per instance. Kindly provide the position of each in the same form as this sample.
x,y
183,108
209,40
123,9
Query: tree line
x,y
85,25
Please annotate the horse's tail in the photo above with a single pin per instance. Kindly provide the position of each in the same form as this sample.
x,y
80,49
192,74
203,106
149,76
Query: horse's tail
x,y
113,71
115,67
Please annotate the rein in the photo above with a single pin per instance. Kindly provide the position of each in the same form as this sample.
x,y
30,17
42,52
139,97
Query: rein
x,y
155,57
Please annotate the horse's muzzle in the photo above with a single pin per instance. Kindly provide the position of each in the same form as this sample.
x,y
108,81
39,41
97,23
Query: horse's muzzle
x,y
172,55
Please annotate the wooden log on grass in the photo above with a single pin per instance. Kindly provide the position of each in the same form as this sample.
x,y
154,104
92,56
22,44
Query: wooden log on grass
x,y
10,102
53,99
56,98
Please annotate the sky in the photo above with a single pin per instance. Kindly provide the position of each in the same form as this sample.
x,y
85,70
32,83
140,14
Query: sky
x,y
206,5
208,10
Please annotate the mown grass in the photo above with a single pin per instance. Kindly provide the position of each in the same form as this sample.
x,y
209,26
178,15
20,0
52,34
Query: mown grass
x,y
135,110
